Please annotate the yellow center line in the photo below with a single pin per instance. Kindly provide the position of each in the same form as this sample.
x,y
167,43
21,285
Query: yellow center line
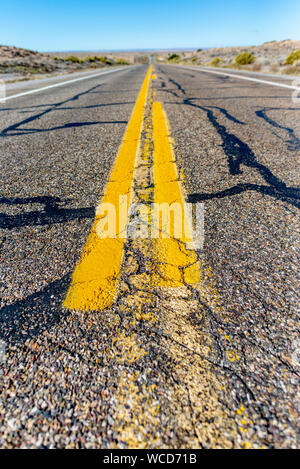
x,y
95,278
176,265
168,262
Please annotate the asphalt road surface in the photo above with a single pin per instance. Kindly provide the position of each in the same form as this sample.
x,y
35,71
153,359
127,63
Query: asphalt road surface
x,y
158,354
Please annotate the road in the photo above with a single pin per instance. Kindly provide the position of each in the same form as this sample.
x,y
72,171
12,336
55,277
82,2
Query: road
x,y
143,343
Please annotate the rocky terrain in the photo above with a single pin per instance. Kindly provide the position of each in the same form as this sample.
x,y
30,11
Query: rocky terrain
x,y
269,57
19,64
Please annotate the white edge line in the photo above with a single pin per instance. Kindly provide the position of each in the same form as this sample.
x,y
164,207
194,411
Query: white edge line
x,y
37,90
282,85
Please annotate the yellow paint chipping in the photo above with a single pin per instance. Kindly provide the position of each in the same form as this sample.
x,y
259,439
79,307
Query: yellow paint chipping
x,y
176,265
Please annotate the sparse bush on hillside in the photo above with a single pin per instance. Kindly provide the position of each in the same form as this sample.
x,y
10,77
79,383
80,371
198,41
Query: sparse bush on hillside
x,y
91,59
95,58
122,62
73,59
293,57
173,57
199,50
105,60
216,61
244,58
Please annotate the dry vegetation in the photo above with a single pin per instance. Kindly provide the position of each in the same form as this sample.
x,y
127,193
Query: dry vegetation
x,y
271,57
17,63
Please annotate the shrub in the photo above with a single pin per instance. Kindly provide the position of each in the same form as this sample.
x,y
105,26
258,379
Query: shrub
x,y
73,59
173,57
244,58
122,62
199,50
216,61
293,57
105,60
90,59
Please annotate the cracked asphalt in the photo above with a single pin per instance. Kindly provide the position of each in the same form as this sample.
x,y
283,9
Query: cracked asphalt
x,y
214,365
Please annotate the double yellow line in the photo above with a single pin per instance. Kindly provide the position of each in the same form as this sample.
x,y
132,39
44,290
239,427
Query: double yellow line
x,y
95,279
176,264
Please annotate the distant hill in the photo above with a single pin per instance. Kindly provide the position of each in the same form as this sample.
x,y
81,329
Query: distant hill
x,y
17,63
15,53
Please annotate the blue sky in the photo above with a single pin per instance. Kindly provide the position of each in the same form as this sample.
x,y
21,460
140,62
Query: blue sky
x,y
117,25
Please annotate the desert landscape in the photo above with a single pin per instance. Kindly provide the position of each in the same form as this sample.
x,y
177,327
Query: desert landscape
x,y
17,64
280,57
